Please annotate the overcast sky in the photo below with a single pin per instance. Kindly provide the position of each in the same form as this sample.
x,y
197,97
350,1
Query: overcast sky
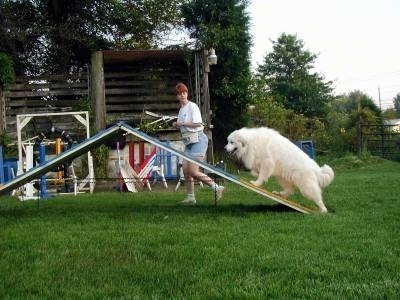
x,y
357,41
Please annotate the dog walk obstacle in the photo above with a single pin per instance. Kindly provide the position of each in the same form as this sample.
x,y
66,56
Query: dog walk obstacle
x,y
116,129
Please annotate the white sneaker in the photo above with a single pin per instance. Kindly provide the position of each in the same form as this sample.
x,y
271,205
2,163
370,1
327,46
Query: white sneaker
x,y
220,192
189,201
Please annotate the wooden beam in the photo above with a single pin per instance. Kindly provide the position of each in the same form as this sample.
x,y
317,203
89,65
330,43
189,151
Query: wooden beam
x,y
97,91
2,110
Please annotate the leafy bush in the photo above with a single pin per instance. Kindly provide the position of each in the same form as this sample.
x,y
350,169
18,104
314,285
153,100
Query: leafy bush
x,y
294,126
7,74
9,149
100,160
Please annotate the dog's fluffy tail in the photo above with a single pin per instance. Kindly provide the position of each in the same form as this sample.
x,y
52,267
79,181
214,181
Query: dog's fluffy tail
x,y
325,176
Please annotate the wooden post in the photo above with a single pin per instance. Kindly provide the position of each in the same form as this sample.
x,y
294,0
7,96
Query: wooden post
x,y
97,91
2,110
206,106
205,91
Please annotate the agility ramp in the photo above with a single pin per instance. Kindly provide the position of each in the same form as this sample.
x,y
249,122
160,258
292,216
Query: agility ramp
x,y
70,154
216,170
105,135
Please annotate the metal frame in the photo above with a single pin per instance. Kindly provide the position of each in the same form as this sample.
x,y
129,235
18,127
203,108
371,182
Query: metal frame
x,y
80,116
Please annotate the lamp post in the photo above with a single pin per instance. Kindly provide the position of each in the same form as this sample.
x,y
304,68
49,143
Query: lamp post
x,y
210,58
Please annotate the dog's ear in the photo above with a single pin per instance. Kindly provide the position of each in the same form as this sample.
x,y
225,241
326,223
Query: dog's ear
x,y
240,138
243,143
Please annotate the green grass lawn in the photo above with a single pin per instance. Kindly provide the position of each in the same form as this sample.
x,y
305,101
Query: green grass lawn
x,y
146,246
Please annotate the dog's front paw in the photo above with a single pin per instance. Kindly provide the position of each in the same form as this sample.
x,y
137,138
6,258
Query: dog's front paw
x,y
280,193
283,194
255,182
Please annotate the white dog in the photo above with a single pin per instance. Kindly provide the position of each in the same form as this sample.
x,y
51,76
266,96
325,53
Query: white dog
x,y
266,153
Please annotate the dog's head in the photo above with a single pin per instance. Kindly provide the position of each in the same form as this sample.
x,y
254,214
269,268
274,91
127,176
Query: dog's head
x,y
237,143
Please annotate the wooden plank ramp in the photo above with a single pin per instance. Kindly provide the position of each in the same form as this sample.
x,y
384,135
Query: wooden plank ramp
x,y
218,171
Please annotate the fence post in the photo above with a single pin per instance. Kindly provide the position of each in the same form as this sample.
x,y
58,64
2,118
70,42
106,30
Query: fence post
x,y
382,139
359,136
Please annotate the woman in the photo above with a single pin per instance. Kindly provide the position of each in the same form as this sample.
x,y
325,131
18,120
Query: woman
x,y
191,126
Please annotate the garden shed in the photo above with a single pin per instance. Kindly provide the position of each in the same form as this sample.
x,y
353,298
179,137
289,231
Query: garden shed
x,y
124,84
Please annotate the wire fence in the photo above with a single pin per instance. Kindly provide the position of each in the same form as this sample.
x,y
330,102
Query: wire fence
x,y
381,140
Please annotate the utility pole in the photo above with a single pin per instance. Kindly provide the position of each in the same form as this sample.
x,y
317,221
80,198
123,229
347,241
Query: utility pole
x,y
379,96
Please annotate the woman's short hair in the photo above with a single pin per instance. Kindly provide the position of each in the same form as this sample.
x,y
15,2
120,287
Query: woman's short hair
x,y
181,88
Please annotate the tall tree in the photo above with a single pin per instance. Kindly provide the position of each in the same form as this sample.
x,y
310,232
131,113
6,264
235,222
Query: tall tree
x,y
55,36
287,71
19,33
224,26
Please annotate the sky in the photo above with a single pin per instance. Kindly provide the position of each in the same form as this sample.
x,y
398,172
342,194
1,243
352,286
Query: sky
x,y
357,42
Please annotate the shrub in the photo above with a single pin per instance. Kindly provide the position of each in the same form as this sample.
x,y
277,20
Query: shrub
x,y
7,74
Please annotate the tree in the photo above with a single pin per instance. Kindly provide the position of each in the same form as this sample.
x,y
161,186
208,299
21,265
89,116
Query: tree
x,y
7,74
355,101
18,34
54,36
359,115
396,103
224,26
389,114
288,76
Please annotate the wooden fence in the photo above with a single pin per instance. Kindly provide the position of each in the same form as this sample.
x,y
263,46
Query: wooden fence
x,y
43,94
120,86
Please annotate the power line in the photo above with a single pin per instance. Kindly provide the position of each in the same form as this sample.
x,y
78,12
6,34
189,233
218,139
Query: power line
x,y
371,77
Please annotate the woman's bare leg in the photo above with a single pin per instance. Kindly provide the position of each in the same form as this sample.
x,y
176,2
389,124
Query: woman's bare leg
x,y
191,171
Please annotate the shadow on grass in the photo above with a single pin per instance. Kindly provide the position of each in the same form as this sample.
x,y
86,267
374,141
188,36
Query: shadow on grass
x,y
260,208
124,207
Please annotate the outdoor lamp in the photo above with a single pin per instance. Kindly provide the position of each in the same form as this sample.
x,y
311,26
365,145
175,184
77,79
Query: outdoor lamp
x,y
212,57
